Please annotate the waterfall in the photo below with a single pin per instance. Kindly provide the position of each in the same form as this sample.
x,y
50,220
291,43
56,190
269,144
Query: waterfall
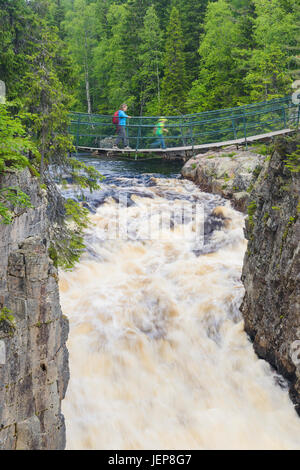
x,y
158,355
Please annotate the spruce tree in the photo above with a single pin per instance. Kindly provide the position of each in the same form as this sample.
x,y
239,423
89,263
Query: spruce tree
x,y
174,84
81,36
293,48
220,82
57,16
17,25
274,33
162,8
150,63
111,63
192,13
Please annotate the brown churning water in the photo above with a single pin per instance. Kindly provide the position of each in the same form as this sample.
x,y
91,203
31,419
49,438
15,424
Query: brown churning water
x,y
158,355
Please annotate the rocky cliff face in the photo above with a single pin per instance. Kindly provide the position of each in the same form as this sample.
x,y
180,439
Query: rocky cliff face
x,y
271,272
33,356
266,189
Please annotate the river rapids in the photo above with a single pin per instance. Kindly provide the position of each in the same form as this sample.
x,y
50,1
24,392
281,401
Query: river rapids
x,y
158,355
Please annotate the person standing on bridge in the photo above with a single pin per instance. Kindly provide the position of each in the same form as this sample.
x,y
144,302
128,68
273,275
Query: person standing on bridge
x,y
121,127
159,132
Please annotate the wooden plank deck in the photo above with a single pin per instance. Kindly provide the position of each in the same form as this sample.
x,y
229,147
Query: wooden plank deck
x,y
195,147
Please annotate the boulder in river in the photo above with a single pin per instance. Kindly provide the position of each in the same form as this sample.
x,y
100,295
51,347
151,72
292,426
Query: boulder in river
x,y
228,172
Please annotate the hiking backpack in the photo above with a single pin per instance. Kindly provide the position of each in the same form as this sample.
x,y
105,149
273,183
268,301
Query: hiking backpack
x,y
115,118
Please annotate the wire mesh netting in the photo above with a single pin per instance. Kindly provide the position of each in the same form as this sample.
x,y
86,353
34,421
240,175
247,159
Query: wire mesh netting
x,y
190,130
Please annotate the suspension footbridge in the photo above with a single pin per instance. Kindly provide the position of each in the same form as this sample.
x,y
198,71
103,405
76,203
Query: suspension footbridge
x,y
189,132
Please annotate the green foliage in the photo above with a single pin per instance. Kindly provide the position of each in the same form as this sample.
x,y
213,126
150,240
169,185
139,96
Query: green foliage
x,y
79,26
110,65
228,155
293,161
85,176
249,50
47,102
13,201
192,13
7,320
264,149
251,211
68,243
274,32
290,223
266,216
13,146
14,143
34,129
17,24
257,170
174,84
150,59
222,52
56,15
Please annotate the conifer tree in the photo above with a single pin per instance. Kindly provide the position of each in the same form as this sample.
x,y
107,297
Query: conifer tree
x,y
162,8
110,62
294,47
17,23
150,63
57,16
192,13
274,34
174,84
48,103
220,83
81,38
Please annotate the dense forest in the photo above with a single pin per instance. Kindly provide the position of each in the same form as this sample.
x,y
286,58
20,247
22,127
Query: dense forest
x,y
159,56
178,56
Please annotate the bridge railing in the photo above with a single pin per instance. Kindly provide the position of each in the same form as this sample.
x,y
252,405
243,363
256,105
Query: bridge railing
x,y
191,130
